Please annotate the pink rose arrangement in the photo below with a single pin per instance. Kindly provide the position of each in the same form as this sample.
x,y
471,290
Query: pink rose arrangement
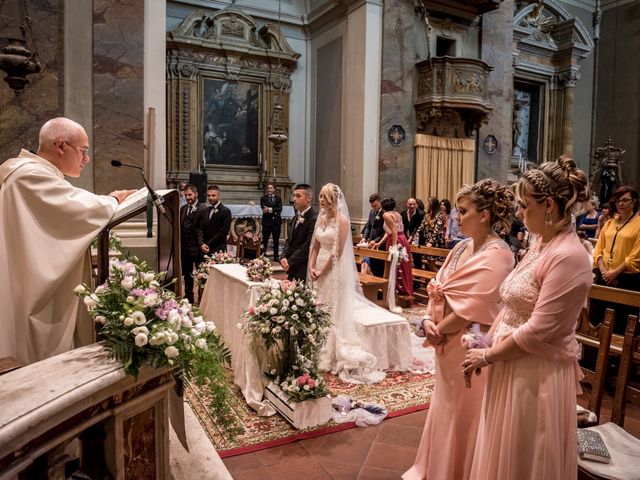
x,y
201,274
259,269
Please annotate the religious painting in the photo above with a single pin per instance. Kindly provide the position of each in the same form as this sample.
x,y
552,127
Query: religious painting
x,y
231,122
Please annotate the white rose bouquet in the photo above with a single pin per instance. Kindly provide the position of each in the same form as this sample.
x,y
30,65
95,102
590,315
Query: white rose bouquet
x,y
259,269
292,321
141,322
201,274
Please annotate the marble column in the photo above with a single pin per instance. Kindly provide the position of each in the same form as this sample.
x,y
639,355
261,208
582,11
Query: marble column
x,y
569,81
118,100
497,39
396,163
361,106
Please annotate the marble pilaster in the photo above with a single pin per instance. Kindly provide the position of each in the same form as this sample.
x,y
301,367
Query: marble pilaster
x,y
118,76
396,163
22,115
497,38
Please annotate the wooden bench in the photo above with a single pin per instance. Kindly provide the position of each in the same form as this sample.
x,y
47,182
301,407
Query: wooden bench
x,y
423,276
587,332
374,288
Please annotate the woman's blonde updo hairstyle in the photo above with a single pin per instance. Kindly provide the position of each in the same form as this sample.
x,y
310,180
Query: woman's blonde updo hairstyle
x,y
330,192
561,180
495,198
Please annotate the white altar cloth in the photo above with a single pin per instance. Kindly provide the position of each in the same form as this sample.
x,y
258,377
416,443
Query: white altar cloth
x,y
227,295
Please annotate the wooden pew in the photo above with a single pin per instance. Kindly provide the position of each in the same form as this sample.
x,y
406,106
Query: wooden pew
x,y
626,392
374,288
587,332
424,276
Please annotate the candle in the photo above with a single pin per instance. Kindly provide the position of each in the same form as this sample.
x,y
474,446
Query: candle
x,y
274,173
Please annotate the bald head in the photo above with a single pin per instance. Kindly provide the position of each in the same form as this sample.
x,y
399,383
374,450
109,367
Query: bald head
x,y
64,143
58,129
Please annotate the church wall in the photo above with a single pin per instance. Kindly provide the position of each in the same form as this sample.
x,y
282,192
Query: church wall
x,y
618,104
497,38
582,118
118,76
22,115
400,36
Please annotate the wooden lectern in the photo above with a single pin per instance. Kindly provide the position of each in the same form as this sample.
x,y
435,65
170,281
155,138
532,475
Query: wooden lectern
x,y
168,235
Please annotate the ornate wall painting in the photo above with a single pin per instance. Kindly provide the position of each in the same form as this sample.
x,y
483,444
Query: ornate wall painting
x,y
231,123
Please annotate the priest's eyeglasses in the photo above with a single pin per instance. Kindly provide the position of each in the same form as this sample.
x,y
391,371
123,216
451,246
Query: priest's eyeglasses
x,y
84,151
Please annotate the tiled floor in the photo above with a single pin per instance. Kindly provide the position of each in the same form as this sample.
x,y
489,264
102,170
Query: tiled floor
x,y
383,452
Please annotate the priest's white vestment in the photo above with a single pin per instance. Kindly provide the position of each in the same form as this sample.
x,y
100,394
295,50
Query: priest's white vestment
x,y
46,228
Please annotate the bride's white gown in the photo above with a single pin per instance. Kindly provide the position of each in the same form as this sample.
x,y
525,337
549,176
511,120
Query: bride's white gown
x,y
343,353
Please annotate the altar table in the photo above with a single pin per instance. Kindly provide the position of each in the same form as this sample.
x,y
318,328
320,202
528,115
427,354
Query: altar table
x,y
227,295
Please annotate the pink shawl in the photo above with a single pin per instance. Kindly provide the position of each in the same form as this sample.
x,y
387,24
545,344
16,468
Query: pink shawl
x,y
473,289
563,273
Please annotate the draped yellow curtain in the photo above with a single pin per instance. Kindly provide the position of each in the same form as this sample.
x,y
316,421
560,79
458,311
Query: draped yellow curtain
x,y
443,165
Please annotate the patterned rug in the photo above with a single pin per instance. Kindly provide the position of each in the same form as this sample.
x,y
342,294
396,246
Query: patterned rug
x,y
399,392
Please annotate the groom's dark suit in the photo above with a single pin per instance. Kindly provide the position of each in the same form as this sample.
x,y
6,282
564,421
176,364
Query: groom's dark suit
x,y
212,227
296,251
190,254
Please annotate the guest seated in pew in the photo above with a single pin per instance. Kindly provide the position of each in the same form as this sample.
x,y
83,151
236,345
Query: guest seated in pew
x,y
527,427
465,290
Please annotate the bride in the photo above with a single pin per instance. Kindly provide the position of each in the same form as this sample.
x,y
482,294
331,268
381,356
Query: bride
x,y
332,271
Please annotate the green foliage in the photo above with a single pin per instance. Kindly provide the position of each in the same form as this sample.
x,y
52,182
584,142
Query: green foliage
x,y
143,323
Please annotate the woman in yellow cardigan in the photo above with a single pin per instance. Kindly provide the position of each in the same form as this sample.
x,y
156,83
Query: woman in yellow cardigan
x,y
617,254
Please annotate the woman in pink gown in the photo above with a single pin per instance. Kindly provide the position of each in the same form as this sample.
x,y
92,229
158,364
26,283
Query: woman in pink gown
x,y
528,422
394,235
465,290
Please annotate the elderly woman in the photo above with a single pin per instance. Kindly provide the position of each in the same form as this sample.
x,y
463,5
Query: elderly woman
x,y
617,254
465,290
528,422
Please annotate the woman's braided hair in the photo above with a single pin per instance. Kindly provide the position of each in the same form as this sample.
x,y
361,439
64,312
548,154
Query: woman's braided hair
x,y
561,180
494,197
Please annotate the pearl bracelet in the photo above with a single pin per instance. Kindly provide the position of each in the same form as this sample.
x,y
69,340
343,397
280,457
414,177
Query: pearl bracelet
x,y
484,357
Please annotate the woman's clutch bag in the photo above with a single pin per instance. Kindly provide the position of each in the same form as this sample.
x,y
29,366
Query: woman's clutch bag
x,y
592,447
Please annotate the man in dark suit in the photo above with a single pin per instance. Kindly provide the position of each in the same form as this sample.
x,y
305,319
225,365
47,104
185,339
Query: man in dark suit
x,y
190,254
271,220
295,255
373,231
411,220
213,224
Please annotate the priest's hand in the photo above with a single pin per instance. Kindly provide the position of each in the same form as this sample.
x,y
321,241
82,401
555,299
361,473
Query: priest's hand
x,y
285,264
120,195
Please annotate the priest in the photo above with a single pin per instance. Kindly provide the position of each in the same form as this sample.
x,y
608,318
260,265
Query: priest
x,y
46,227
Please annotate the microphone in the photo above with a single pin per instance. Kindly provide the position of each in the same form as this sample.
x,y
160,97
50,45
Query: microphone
x,y
157,199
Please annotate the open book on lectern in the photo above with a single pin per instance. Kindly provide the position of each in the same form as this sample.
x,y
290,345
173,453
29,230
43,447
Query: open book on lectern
x,y
133,202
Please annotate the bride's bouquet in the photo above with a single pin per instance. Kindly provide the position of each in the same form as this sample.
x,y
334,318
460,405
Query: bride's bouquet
x,y
259,269
201,274
292,322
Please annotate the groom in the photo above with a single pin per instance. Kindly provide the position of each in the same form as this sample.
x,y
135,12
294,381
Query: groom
x,y
296,252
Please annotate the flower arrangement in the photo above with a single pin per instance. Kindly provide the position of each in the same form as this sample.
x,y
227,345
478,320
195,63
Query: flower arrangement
x,y
201,274
115,244
259,269
292,321
143,323
474,337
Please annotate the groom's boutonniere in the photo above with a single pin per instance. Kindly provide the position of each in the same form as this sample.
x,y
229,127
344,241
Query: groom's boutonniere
x,y
300,221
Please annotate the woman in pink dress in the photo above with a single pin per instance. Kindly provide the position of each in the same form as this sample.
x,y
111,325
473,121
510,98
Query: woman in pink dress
x,y
465,290
528,422
394,236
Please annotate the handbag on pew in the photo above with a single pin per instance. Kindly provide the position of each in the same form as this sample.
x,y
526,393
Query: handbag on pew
x,y
591,446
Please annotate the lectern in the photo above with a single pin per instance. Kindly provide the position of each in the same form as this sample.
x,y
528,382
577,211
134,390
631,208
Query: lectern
x,y
167,238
